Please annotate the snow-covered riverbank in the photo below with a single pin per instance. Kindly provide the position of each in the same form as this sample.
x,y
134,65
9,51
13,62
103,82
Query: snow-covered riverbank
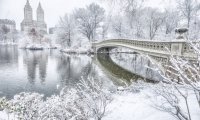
x,y
38,46
138,106
76,51
137,102
125,106
8,43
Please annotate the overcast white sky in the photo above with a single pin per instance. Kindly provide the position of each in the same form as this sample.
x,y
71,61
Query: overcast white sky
x,y
13,9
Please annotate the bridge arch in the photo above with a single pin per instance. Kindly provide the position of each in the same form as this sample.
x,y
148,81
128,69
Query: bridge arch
x,y
159,51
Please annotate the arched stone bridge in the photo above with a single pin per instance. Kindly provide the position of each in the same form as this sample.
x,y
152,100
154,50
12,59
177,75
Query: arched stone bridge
x,y
158,50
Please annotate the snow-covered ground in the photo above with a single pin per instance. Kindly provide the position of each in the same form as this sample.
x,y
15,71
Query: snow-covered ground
x,y
76,51
7,43
84,49
26,42
134,106
140,102
134,103
5,116
126,106
39,46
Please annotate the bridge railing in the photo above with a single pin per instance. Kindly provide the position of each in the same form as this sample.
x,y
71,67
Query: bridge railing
x,y
176,47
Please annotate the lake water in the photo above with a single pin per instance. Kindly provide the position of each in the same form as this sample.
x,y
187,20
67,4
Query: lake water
x,y
48,71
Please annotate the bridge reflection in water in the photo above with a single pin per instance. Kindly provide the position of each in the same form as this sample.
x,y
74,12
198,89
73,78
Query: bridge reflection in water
x,y
119,75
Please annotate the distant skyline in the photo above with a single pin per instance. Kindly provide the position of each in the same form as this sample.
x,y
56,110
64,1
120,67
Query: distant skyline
x,y
14,9
54,9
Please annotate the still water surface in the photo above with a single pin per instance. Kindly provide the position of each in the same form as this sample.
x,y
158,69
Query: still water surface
x,y
47,72
44,72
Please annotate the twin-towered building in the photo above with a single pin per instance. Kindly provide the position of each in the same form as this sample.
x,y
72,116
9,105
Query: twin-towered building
x,y
28,24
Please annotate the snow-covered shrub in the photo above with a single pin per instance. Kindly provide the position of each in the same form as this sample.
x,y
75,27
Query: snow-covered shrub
x,y
3,103
94,98
85,101
26,105
182,82
173,99
61,107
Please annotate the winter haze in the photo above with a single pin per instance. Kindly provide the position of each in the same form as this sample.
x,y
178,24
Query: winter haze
x,y
13,9
54,9
99,59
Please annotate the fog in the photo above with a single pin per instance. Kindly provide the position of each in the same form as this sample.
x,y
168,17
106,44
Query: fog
x,y
13,9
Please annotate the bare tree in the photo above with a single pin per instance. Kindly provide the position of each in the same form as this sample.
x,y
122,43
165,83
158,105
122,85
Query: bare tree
x,y
183,81
154,22
188,9
5,31
118,26
171,19
66,30
132,8
94,97
105,28
139,25
89,20
132,14
15,35
171,97
34,35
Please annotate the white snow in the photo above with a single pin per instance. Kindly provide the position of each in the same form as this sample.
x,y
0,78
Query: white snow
x,y
134,106
8,43
129,105
39,46
76,51
5,116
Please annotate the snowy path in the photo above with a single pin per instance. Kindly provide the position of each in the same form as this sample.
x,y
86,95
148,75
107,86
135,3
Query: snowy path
x,y
134,106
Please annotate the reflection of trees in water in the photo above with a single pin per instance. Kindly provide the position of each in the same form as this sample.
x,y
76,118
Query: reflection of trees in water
x,y
34,60
64,68
43,67
142,65
8,54
137,64
31,69
72,68
134,62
